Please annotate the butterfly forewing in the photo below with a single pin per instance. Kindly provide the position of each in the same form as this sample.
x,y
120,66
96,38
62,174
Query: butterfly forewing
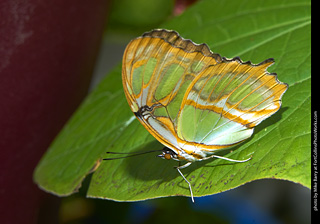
x,y
157,70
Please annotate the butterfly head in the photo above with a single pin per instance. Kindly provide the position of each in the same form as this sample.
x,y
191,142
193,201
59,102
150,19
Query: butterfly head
x,y
168,154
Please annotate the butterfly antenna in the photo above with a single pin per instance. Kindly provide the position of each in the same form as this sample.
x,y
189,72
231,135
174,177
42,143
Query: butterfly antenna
x,y
129,154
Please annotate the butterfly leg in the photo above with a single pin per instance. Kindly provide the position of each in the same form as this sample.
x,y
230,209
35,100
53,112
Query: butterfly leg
x,y
228,159
181,167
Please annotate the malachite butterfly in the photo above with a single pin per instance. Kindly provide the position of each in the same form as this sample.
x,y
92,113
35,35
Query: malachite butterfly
x,y
194,101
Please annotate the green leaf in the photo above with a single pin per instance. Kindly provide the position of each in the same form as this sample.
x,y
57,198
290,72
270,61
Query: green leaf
x,y
280,146
139,13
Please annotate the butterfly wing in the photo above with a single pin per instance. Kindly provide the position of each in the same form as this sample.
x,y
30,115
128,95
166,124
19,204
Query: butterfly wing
x,y
157,70
192,100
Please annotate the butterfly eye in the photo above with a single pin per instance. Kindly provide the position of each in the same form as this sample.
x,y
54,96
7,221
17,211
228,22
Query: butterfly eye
x,y
167,156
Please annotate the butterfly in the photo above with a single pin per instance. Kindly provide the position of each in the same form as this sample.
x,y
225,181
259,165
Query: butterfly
x,y
194,101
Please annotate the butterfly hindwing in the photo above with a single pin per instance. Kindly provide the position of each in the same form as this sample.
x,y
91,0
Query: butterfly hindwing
x,y
226,101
